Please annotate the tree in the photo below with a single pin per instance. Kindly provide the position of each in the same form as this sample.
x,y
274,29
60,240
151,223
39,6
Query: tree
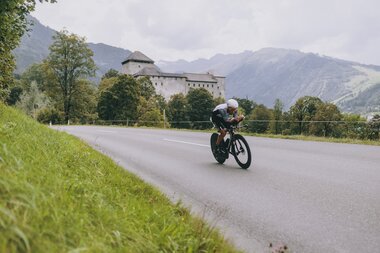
x,y
177,111
304,110
120,101
276,125
354,126
33,101
106,83
14,95
70,60
150,114
36,73
260,117
200,107
84,102
374,126
147,89
246,104
218,101
13,24
152,118
111,73
328,114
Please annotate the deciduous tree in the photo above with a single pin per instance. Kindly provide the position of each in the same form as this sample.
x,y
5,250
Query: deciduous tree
x,y
303,111
13,24
70,60
260,117
200,107
328,116
177,111
120,101
276,124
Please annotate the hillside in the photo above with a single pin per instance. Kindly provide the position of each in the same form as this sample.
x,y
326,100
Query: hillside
x,y
59,195
34,47
272,73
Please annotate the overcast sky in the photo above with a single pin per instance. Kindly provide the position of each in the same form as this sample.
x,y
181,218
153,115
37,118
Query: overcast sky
x,y
191,29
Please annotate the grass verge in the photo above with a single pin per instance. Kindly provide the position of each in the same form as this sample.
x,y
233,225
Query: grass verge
x,y
59,195
275,136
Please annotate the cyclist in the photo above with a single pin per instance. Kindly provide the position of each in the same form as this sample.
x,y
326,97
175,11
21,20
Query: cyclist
x,y
221,119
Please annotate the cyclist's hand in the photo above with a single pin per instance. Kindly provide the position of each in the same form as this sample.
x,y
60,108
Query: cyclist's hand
x,y
241,118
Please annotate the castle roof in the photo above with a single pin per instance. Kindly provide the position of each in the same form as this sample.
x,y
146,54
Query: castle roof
x,y
137,56
208,78
149,71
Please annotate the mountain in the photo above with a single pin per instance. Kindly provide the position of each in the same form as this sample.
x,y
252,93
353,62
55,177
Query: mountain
x,y
262,76
34,47
272,73
220,64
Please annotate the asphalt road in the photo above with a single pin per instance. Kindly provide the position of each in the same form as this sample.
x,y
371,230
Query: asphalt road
x,y
311,196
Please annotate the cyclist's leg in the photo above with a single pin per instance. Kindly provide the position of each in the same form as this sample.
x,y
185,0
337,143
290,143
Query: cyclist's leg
x,y
218,122
222,134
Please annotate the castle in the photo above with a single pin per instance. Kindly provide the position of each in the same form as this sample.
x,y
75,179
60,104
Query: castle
x,y
167,84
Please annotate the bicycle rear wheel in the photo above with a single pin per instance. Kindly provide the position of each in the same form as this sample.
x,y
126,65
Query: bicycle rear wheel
x,y
218,157
241,151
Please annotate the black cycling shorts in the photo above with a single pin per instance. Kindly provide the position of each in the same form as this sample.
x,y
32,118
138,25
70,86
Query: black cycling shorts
x,y
218,121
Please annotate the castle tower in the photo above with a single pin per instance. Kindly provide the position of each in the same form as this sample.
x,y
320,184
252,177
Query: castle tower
x,y
135,62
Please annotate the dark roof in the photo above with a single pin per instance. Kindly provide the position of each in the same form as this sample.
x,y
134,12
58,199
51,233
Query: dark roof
x,y
207,78
190,77
137,56
155,71
149,71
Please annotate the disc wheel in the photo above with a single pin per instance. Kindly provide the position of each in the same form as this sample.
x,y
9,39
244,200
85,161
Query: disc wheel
x,y
241,151
218,157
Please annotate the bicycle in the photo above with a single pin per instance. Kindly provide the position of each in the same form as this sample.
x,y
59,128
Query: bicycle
x,y
236,145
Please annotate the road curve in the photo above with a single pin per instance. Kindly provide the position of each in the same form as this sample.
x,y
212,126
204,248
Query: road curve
x,y
312,196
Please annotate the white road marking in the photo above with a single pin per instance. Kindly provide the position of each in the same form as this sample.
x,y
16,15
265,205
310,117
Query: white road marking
x,y
105,131
190,143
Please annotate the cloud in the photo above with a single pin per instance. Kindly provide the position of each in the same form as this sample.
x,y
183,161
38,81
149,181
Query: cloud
x,y
190,29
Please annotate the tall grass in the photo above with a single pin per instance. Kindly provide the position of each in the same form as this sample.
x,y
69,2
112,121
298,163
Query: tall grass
x,y
59,195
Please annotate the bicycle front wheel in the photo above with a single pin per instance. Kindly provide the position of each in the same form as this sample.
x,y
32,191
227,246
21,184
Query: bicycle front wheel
x,y
241,151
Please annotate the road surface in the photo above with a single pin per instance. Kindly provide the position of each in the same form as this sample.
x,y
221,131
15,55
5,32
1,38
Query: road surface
x,y
311,196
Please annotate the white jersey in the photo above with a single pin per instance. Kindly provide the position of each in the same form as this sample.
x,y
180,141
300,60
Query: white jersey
x,y
222,111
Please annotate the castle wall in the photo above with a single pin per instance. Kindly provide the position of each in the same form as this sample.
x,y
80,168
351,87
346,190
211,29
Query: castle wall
x,y
170,84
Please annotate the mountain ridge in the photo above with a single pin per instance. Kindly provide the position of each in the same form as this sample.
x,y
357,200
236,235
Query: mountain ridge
x,y
289,74
34,47
262,75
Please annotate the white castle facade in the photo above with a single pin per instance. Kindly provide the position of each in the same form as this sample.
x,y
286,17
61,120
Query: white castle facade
x,y
167,84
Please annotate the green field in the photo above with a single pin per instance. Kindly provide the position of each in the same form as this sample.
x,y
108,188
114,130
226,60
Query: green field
x,y
59,195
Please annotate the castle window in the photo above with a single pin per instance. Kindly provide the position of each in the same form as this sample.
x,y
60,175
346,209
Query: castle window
x,y
199,85
188,84
139,66
218,87
156,84
207,85
203,85
193,84
220,93
162,83
212,85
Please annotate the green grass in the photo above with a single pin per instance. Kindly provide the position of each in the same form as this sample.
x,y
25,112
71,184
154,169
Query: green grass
x,y
316,138
59,195
278,136
288,137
